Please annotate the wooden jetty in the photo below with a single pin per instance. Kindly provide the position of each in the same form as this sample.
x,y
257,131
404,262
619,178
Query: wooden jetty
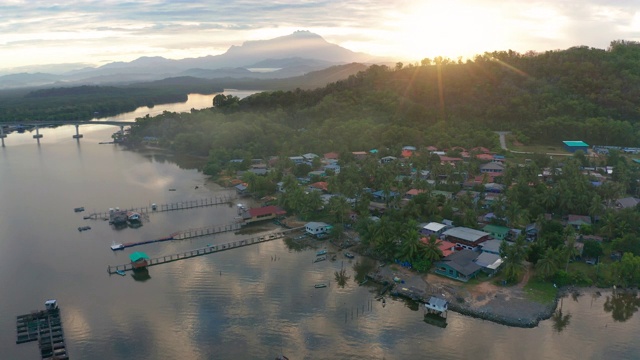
x,y
206,250
183,235
182,205
44,326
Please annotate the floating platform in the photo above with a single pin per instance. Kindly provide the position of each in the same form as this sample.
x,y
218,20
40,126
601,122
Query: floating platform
x,y
44,326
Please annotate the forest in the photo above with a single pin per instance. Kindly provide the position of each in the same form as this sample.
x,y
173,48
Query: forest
x,y
86,102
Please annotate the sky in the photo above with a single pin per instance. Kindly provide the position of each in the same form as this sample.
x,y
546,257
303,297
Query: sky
x,y
93,33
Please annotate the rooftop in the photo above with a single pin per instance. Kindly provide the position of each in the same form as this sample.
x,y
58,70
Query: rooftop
x,y
575,143
466,233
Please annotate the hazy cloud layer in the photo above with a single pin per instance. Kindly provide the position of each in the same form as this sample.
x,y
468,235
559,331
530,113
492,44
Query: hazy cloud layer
x,y
33,32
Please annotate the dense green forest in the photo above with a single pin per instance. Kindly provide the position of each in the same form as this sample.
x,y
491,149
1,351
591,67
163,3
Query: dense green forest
x,y
87,102
83,102
580,93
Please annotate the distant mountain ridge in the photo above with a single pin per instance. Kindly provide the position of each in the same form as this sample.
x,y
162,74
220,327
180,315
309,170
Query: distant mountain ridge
x,y
293,55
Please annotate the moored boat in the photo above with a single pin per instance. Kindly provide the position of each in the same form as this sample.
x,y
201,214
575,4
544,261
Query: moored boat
x,y
79,209
349,255
115,246
321,252
121,272
320,258
320,285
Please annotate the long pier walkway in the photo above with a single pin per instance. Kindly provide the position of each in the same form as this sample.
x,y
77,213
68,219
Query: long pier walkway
x,y
206,250
44,326
182,205
184,234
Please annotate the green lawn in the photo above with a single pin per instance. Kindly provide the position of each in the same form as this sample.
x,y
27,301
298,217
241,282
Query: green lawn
x,y
540,291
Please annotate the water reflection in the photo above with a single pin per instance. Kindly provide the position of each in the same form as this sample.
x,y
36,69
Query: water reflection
x,y
561,320
342,277
141,275
362,267
622,305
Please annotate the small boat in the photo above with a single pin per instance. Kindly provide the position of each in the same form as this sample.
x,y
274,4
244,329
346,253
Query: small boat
x,y
172,189
349,255
115,246
84,228
321,252
320,258
121,273
320,285
78,209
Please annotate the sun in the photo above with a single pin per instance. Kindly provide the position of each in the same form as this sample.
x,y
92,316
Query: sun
x,y
447,28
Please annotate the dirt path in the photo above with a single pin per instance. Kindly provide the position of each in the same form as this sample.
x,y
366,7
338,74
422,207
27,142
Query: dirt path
x,y
527,275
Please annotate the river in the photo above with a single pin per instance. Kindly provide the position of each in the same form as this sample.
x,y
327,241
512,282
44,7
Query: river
x,y
249,303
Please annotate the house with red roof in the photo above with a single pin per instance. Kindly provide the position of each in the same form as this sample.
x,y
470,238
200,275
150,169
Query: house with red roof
x,y
332,155
319,186
449,160
262,213
484,157
446,247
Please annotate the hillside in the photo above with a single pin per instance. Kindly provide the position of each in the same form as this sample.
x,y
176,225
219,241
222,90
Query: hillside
x,y
574,94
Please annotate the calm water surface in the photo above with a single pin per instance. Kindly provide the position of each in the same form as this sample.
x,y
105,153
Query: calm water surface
x,y
250,303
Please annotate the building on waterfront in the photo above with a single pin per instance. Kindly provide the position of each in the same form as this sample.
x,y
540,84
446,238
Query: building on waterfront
x,y
460,265
262,213
317,228
139,260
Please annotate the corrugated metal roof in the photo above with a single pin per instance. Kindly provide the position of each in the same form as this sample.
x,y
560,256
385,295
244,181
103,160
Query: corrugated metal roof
x,y
575,143
466,233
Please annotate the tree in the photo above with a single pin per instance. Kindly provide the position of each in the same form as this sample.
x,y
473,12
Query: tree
x,y
547,266
432,250
592,249
514,256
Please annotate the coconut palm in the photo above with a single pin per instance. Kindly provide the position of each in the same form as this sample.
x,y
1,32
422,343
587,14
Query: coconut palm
x,y
547,265
431,249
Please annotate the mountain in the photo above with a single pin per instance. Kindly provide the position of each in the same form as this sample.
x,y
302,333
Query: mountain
x,y
287,56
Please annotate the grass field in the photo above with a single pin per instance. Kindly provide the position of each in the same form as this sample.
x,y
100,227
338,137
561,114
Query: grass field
x,y
540,291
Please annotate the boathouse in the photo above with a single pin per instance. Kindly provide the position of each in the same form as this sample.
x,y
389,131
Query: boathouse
x,y
437,305
139,260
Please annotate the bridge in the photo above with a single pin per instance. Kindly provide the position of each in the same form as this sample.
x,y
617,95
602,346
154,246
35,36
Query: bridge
x,y
37,124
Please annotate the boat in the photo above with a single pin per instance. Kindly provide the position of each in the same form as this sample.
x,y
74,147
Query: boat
x,y
321,252
172,189
320,285
121,272
84,228
320,258
115,246
349,255
78,209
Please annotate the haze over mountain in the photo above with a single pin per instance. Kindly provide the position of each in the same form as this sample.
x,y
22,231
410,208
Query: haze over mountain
x,y
286,56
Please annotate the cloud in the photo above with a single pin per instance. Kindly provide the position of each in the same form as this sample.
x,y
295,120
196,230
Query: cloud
x,y
32,30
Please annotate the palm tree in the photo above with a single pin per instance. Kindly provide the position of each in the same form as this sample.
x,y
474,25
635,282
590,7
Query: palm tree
x,y
432,251
547,265
411,244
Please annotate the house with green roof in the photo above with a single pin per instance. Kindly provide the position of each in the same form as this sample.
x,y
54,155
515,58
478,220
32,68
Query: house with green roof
x,y
496,231
573,146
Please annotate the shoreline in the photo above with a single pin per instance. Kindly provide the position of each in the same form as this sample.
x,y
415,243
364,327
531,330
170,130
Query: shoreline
x,y
505,306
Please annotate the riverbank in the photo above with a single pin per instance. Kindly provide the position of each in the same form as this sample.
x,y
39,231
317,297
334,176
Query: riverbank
x,y
500,304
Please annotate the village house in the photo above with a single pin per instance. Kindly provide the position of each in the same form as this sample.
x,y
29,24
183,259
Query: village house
x,y
489,262
492,168
387,159
317,229
459,265
434,228
359,155
496,231
466,237
578,221
492,246
262,213
627,203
